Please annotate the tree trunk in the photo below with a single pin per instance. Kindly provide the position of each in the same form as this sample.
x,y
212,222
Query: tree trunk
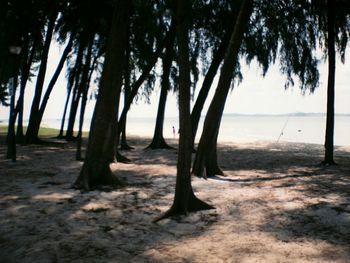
x,y
205,164
184,201
76,93
143,77
158,141
20,102
69,92
11,136
26,56
96,170
31,134
208,80
329,140
85,81
51,85
123,143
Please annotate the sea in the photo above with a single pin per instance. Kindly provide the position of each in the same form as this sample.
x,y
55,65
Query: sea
x,y
296,127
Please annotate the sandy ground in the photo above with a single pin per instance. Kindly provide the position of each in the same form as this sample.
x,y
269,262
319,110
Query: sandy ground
x,y
277,204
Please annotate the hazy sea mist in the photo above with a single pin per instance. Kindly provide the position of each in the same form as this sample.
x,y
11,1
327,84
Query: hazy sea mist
x,y
299,127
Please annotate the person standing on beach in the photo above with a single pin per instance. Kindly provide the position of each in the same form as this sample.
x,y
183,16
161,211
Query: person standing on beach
x,y
174,132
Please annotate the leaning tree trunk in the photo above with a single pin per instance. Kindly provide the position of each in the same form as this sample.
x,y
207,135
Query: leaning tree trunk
x,y
20,102
76,93
329,140
205,164
158,141
51,85
207,82
145,73
85,81
184,201
69,92
31,134
96,170
27,56
123,142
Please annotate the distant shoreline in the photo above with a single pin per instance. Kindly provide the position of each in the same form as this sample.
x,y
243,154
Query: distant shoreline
x,y
291,114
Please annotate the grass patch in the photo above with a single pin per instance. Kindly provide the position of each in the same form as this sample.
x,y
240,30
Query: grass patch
x,y
3,130
43,132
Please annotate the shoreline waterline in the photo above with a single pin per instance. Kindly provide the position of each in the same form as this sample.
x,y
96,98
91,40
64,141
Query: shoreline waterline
x,y
238,128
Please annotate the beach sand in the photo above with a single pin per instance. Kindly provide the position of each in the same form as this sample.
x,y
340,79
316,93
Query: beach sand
x,y
276,204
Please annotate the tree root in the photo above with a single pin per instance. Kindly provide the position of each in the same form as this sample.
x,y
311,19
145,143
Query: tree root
x,y
159,144
125,147
121,158
194,205
328,163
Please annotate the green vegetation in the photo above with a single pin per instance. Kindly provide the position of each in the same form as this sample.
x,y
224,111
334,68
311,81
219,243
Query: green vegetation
x,y
43,132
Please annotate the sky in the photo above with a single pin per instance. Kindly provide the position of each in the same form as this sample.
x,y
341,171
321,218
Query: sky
x,y
255,95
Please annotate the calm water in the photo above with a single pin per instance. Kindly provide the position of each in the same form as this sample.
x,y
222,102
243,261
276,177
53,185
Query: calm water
x,y
250,128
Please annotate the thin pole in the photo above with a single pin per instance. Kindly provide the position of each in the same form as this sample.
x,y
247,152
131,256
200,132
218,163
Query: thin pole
x,y
284,126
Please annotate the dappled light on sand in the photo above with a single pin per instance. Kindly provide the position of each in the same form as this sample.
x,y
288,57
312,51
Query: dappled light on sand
x,y
275,203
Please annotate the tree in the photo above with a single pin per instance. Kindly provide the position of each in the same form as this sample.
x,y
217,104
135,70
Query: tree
x,y
123,142
335,30
32,131
25,73
83,18
213,22
329,138
74,84
52,82
184,200
207,82
144,75
332,20
158,141
96,170
205,164
85,83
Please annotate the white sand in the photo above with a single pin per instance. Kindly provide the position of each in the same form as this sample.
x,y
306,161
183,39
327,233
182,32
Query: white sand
x,y
275,205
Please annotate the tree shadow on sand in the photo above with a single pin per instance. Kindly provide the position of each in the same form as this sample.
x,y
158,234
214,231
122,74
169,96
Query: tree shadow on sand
x,y
277,157
43,218
324,221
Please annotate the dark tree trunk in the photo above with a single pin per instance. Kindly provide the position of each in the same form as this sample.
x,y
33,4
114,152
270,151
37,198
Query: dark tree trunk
x,y
329,140
158,141
208,80
96,170
26,55
20,102
76,93
123,143
143,77
69,92
205,164
32,134
85,81
11,136
184,201
51,85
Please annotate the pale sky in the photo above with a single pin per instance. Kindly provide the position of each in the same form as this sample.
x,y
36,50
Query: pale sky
x,y
255,95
